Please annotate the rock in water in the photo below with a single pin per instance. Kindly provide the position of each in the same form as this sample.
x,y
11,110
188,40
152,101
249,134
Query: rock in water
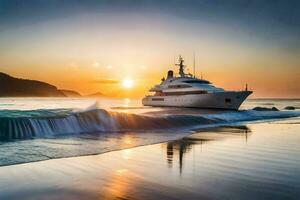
x,y
265,109
289,108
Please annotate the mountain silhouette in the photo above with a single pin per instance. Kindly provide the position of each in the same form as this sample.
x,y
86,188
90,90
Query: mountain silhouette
x,y
17,87
71,93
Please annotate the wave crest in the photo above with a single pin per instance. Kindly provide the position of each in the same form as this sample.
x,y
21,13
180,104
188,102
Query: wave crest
x,y
99,120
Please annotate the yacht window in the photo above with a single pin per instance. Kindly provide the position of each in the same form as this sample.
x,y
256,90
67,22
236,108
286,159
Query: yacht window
x,y
227,100
197,81
186,92
157,99
179,86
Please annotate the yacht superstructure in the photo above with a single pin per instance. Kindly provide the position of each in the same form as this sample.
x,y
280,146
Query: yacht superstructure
x,y
186,90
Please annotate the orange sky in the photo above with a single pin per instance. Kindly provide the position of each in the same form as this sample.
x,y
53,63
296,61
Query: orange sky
x,y
262,76
92,52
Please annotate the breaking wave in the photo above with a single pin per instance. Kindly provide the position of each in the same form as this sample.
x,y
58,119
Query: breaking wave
x,y
65,122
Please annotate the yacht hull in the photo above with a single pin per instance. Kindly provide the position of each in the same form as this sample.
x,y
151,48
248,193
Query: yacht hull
x,y
219,100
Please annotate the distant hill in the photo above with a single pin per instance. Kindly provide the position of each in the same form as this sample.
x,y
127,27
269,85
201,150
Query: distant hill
x,y
97,94
16,87
70,93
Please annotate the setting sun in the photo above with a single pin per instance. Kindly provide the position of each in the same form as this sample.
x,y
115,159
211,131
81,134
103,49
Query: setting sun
x,y
127,83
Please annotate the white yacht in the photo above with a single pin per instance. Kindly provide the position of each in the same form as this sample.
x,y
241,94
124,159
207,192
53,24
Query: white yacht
x,y
186,90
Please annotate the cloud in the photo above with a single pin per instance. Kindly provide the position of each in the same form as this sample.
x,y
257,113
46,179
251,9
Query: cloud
x,y
106,81
96,65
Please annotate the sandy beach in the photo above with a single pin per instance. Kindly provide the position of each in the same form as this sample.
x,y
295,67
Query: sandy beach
x,y
256,161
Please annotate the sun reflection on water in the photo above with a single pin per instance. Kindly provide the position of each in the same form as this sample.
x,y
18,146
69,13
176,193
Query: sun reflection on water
x,y
121,172
126,154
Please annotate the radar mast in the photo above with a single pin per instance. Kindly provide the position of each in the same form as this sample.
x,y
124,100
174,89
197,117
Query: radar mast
x,y
181,67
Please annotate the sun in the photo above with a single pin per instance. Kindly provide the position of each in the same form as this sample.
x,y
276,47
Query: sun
x,y
127,83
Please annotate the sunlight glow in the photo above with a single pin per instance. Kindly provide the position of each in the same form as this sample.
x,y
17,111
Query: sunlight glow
x,y
127,83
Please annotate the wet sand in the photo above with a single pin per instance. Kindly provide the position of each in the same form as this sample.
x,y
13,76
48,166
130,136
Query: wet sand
x,y
257,161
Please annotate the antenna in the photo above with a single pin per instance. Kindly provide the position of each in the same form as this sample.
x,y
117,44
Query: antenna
x,y
194,65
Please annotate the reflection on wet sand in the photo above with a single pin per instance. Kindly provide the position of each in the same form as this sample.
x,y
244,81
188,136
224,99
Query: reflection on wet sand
x,y
180,147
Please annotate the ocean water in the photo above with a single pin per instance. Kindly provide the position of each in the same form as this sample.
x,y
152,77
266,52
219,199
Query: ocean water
x,y
35,129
